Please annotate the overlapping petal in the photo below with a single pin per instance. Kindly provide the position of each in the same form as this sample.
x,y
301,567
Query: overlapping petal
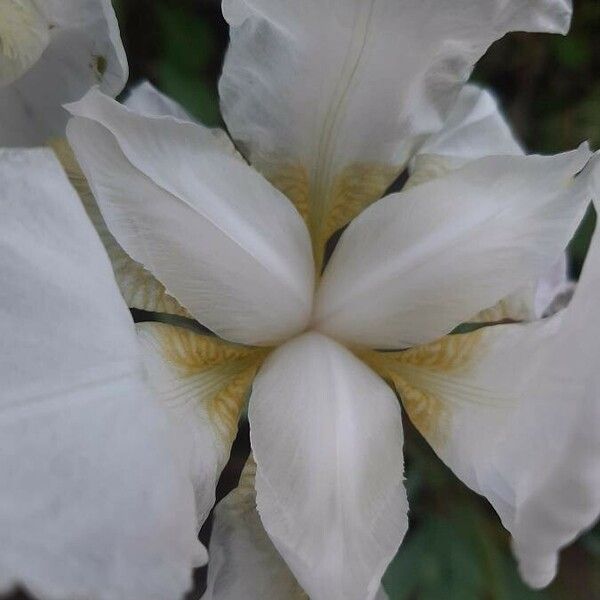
x,y
139,288
476,128
225,243
554,437
203,384
243,561
418,263
514,411
62,49
326,434
331,98
87,458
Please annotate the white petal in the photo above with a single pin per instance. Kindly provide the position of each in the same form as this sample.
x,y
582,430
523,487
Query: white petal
x,y
554,289
145,99
514,410
474,128
323,87
139,288
551,292
557,487
243,561
84,49
25,34
416,264
327,439
92,503
203,384
229,247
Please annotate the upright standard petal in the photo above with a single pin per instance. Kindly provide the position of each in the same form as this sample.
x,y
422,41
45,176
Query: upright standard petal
x,y
326,434
474,128
331,98
227,245
418,263
203,384
53,52
93,503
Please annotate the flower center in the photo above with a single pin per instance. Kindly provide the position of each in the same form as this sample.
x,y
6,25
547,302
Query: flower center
x,y
24,35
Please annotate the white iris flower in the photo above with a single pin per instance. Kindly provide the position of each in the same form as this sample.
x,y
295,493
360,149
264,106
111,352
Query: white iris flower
x,y
52,52
330,101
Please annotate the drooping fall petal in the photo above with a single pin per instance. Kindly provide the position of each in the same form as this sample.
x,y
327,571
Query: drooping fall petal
x,y
326,433
227,245
93,503
418,263
514,410
203,383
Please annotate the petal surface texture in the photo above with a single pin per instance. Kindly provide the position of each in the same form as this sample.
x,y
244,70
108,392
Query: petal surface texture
x,y
327,438
93,503
230,248
139,288
416,264
329,99
557,487
203,384
244,563
474,128
58,50
514,411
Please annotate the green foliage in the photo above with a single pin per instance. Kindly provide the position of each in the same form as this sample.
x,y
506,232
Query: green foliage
x,y
187,48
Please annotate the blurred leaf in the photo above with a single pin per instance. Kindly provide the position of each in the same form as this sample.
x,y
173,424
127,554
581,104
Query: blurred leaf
x,y
191,92
188,41
188,46
572,51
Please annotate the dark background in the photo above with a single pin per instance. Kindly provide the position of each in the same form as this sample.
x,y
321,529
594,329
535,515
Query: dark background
x,y
549,86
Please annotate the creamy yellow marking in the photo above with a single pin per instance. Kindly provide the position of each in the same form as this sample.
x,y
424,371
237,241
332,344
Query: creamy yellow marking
x,y
219,373
357,186
292,180
506,310
24,35
427,167
414,373
138,286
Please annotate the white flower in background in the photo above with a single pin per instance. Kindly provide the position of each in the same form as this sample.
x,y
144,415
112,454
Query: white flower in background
x,y
52,52
93,501
329,101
